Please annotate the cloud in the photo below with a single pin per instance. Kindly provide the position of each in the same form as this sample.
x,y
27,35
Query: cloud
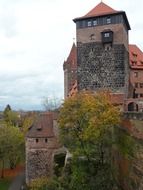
x,y
35,39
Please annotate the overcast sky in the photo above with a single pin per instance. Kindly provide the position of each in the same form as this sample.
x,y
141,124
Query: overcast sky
x,y
35,39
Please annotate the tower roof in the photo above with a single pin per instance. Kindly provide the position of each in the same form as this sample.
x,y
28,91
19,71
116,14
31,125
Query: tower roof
x,y
102,10
43,127
72,58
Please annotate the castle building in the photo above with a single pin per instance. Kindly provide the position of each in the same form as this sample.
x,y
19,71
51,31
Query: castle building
x,y
103,58
41,146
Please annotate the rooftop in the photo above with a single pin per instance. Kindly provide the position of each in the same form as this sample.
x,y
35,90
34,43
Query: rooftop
x,y
136,57
43,126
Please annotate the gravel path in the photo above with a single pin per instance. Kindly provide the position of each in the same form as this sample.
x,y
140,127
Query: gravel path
x,y
18,182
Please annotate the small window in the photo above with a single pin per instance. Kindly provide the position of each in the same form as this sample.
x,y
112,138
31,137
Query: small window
x,y
134,63
89,23
106,35
37,140
108,20
136,95
46,140
141,95
136,74
136,85
141,85
94,22
134,54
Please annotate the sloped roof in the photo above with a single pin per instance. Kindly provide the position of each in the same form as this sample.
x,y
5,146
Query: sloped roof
x,y
72,54
100,9
72,58
43,126
136,57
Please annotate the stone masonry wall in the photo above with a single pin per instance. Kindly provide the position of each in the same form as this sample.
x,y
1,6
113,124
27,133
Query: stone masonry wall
x,y
39,157
99,67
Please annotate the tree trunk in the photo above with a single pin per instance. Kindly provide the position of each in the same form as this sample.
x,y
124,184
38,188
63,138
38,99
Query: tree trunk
x,y
2,171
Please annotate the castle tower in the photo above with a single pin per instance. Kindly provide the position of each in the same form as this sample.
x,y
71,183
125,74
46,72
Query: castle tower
x,y
70,68
41,145
102,50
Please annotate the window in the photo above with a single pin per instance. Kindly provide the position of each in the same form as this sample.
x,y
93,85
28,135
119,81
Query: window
x,y
106,35
37,140
136,74
108,20
46,140
134,63
136,85
141,95
94,22
89,23
141,85
134,54
136,95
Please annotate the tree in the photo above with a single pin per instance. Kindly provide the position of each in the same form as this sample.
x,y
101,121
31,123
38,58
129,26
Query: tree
x,y
26,121
51,104
10,117
11,146
86,123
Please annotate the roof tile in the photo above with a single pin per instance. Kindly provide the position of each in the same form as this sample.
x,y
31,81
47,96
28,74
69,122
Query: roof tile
x,y
43,126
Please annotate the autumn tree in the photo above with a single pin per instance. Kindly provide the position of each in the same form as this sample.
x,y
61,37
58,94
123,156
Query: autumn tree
x,y
87,123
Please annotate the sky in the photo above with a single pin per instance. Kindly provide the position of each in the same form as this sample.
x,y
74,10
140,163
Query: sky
x,y
36,37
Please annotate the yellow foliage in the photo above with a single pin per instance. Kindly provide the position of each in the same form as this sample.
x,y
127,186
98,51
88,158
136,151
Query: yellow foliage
x,y
88,115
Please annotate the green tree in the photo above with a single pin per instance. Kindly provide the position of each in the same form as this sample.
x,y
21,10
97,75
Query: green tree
x,y
87,123
26,121
11,146
10,116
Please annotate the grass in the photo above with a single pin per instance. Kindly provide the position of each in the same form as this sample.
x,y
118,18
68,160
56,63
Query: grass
x,y
5,183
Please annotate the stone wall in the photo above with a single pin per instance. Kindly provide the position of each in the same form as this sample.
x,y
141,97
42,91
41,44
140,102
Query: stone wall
x,y
39,157
101,68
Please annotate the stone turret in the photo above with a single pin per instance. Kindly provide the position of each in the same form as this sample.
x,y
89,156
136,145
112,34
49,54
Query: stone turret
x,y
41,144
102,50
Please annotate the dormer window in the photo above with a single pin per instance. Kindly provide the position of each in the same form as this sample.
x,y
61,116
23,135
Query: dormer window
x,y
134,54
89,23
134,63
108,20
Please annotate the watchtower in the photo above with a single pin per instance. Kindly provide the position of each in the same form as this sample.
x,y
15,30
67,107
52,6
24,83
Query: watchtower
x,y
102,50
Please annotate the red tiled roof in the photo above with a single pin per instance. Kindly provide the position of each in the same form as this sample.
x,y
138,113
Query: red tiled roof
x,y
43,127
72,58
72,55
136,57
100,9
